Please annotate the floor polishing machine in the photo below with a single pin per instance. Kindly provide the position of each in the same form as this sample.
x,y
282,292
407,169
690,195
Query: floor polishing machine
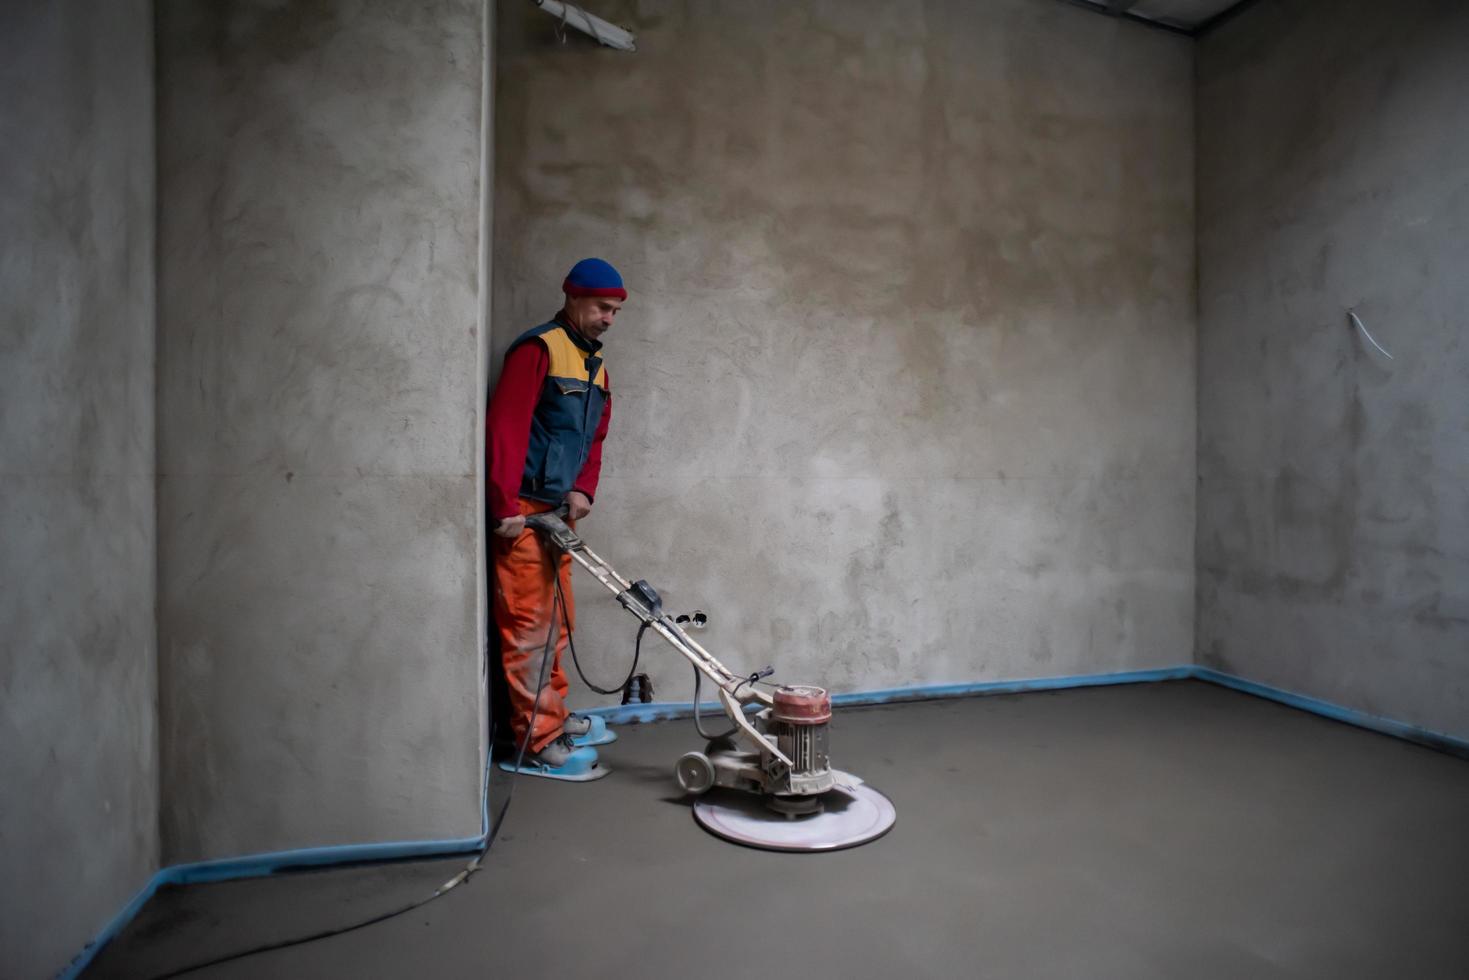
x,y
774,763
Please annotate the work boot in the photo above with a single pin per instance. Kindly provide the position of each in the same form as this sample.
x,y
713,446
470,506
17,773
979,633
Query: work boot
x,y
576,726
553,755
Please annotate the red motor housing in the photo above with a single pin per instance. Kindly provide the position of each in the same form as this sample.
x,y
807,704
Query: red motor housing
x,y
801,705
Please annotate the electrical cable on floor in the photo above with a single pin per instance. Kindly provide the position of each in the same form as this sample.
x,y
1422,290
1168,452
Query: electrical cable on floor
x,y
454,882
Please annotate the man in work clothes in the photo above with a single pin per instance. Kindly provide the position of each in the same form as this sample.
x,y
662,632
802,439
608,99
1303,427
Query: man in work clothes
x,y
544,431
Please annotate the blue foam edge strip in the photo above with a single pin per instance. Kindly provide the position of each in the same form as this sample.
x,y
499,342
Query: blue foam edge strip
x,y
1326,709
259,865
264,865
275,862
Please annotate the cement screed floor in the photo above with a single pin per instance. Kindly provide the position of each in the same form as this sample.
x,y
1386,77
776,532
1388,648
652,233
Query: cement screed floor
x,y
1149,831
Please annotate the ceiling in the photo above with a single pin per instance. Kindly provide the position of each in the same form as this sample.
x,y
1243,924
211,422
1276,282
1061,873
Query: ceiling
x,y
1182,16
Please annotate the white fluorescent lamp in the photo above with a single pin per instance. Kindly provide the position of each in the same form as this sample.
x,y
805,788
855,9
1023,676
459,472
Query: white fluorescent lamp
x,y
572,15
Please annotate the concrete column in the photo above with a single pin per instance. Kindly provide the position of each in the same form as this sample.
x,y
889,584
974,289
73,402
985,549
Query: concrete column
x,y
78,689
319,400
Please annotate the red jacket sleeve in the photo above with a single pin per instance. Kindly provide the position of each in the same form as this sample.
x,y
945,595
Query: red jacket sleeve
x,y
591,471
507,425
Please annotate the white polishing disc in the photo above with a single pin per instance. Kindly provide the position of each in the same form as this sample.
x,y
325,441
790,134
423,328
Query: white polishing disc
x,y
849,816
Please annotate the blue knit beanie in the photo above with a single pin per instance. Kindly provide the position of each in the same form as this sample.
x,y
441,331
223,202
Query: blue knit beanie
x,y
593,277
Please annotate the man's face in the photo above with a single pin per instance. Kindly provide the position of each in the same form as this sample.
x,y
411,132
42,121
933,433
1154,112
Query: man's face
x,y
592,315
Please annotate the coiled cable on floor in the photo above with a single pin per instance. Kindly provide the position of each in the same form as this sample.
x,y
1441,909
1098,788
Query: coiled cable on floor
x,y
464,875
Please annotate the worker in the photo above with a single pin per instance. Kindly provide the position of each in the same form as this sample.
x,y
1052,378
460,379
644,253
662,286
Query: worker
x,y
544,431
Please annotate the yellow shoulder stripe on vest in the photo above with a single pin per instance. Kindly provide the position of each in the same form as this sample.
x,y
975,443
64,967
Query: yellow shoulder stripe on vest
x,y
569,360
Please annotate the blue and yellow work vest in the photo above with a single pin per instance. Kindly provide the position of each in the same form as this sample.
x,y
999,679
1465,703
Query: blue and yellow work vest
x,y
567,415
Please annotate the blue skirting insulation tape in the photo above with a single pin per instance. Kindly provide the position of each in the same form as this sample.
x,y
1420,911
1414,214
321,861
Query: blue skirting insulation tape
x,y
274,862
1361,719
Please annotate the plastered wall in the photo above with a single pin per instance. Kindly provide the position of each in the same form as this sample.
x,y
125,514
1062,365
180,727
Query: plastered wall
x,y
78,746
904,392
319,403
1333,510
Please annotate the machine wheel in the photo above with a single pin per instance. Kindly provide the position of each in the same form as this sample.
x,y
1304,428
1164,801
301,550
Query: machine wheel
x,y
694,772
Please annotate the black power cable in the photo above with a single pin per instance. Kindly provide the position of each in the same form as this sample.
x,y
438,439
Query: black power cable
x,y
459,879
699,720
637,652
632,672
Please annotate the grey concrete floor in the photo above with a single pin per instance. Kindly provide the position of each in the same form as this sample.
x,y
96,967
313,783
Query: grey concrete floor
x,y
1155,831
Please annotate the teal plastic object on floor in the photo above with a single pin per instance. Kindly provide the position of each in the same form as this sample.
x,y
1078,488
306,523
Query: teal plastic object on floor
x,y
598,734
581,767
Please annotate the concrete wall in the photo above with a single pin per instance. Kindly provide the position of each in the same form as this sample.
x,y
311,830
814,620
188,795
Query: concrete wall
x,y
78,745
319,406
904,392
1333,512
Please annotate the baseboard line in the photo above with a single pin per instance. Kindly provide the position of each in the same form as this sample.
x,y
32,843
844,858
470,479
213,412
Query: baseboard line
x,y
1450,744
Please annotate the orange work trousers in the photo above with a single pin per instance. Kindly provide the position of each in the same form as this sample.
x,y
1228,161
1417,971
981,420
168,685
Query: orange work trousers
x,y
525,598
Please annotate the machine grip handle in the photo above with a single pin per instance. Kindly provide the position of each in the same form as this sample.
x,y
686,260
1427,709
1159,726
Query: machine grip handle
x,y
540,520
